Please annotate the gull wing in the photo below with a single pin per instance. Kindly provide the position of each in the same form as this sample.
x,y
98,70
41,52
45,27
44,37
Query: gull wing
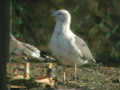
x,y
81,44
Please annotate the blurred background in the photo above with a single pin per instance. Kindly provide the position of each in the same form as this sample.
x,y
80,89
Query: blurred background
x,y
96,21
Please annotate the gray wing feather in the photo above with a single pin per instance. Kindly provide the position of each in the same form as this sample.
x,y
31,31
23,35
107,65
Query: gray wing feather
x,y
84,48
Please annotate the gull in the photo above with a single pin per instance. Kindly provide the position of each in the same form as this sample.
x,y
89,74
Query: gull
x,y
20,48
69,48
65,44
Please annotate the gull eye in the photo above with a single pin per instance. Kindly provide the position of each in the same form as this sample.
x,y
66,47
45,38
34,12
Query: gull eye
x,y
59,13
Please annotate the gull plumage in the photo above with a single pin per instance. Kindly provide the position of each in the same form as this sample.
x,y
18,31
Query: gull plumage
x,y
20,48
65,45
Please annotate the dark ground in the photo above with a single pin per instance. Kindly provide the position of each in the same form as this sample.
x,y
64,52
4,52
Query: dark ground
x,y
89,77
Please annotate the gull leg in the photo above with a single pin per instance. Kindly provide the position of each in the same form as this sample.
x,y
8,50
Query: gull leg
x,y
27,70
75,73
64,76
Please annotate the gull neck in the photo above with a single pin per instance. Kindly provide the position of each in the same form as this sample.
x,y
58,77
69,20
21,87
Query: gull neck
x,y
62,26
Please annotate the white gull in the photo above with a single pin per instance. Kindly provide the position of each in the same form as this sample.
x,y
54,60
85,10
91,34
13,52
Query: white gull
x,y
65,45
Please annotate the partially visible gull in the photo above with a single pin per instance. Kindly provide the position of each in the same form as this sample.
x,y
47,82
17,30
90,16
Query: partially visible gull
x,y
65,45
20,48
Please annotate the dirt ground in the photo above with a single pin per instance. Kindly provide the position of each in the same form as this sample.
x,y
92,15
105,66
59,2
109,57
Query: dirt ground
x,y
88,77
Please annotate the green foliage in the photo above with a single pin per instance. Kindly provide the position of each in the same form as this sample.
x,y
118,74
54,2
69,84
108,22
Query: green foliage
x,y
118,44
19,21
76,9
101,23
17,35
108,35
11,60
17,14
114,30
112,52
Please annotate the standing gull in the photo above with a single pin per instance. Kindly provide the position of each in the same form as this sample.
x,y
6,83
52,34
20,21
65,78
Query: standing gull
x,y
65,45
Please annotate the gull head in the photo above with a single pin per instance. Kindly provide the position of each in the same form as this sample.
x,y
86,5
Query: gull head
x,y
62,16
